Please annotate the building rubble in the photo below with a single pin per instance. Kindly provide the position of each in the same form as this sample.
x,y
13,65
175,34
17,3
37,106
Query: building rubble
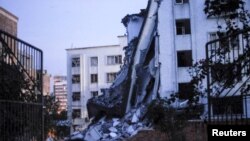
x,y
108,129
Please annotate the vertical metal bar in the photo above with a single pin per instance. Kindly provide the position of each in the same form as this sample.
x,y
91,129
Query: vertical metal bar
x,y
208,84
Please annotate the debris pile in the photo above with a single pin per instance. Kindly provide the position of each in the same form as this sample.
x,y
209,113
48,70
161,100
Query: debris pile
x,y
117,128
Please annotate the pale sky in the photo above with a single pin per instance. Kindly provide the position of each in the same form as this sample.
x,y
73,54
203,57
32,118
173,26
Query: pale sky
x,y
54,25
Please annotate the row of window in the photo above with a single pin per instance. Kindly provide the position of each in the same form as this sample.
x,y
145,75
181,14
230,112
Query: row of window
x,y
110,77
111,60
76,96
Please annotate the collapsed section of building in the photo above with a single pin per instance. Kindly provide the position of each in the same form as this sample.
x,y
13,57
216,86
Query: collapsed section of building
x,y
163,44
138,80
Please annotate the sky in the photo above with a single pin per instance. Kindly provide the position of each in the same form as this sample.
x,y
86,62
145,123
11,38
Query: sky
x,y
55,25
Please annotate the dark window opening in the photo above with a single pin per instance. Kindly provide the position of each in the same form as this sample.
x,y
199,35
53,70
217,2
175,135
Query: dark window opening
x,y
181,1
76,62
76,113
76,96
94,78
184,58
186,90
75,78
227,105
183,27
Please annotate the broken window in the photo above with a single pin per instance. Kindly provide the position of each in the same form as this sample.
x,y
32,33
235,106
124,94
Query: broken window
x,y
94,93
75,78
183,27
76,62
94,78
93,61
181,1
111,77
76,96
186,90
227,105
76,113
184,58
113,60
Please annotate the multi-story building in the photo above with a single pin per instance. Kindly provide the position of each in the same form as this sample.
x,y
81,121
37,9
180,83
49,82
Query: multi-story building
x,y
90,69
163,43
173,36
8,22
46,83
60,91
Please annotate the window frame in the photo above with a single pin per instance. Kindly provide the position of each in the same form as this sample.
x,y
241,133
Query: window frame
x,y
76,80
93,78
76,98
186,29
108,75
92,62
114,59
75,62
182,2
182,60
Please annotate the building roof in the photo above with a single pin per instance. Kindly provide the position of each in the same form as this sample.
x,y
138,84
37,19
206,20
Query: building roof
x,y
89,47
8,13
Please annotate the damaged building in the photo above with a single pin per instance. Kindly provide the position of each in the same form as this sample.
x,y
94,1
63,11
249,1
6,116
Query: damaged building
x,y
164,41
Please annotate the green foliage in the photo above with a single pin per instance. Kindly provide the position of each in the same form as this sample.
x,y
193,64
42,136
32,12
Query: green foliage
x,y
166,118
14,85
231,11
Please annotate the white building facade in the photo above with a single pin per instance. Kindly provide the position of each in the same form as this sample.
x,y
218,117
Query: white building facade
x,y
179,31
90,69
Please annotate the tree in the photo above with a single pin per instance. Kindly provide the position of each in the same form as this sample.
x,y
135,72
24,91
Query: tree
x,y
227,13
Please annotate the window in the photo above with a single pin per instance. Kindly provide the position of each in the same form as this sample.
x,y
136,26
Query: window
x,y
76,113
94,78
113,60
227,105
111,77
184,58
183,27
181,1
76,78
76,62
185,90
93,61
76,96
94,93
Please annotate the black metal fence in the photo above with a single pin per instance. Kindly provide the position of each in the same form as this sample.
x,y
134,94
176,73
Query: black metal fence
x,y
21,101
228,78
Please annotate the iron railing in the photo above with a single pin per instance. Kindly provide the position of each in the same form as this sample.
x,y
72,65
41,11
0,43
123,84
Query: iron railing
x,y
21,100
228,78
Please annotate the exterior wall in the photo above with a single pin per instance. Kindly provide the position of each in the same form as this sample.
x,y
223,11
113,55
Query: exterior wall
x,y
133,27
60,91
85,70
170,42
8,22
